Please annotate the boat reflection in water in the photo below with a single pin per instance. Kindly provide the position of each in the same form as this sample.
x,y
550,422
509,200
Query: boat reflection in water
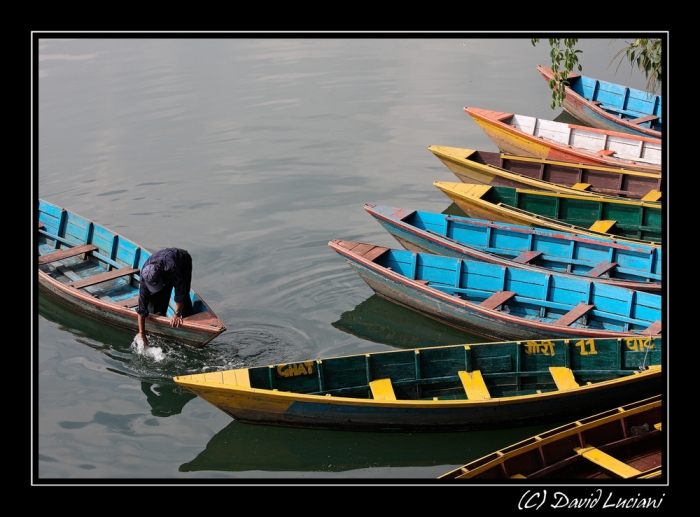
x,y
382,321
164,396
242,447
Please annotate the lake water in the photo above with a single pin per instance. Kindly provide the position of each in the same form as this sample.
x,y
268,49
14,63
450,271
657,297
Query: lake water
x,y
253,153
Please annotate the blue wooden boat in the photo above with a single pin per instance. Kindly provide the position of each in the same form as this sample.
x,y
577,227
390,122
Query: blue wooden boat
x,y
95,272
501,302
633,266
444,388
611,106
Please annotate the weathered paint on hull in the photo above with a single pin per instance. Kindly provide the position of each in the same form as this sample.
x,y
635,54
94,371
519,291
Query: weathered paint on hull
x,y
510,140
422,242
464,315
582,109
473,207
337,413
541,174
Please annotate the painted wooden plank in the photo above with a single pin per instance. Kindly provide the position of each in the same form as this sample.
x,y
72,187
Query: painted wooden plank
x,y
382,389
375,252
603,225
574,314
110,275
601,268
654,328
563,378
652,195
497,299
474,385
527,256
128,302
61,254
605,152
581,186
645,118
607,462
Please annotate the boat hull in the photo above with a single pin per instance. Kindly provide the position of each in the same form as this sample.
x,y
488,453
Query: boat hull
x,y
622,443
489,168
617,106
476,235
253,406
595,146
457,312
94,271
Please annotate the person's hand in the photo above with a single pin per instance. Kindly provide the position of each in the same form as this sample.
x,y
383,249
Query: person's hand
x,y
176,321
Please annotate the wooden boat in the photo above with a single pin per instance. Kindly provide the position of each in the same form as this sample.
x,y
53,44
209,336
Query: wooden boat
x,y
631,221
504,170
620,443
500,302
610,106
445,388
95,272
539,138
632,266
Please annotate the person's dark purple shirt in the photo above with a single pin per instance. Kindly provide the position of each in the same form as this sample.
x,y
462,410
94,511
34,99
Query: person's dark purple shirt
x,y
171,261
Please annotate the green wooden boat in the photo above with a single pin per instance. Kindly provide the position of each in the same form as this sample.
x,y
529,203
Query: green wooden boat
x,y
624,220
444,388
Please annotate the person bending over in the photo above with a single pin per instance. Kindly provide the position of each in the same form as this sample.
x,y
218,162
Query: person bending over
x,y
165,270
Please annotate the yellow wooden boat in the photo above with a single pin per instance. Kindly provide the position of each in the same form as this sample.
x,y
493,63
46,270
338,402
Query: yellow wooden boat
x,y
507,170
621,443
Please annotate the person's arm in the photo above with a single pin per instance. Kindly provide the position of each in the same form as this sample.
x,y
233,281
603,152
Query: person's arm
x,y
142,330
176,320
142,311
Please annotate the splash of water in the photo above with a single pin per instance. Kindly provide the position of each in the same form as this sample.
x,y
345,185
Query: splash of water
x,y
152,352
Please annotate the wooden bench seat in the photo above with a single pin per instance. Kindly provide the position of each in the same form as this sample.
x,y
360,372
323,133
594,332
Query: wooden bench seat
x,y
574,314
645,118
66,253
497,299
527,256
654,328
607,462
602,225
474,385
563,378
382,389
601,268
652,195
103,277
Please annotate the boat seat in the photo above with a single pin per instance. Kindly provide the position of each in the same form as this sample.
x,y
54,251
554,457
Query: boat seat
x,y
527,256
601,268
382,389
61,254
103,277
654,328
563,378
652,195
597,103
607,462
602,225
129,302
581,186
574,314
605,152
497,299
642,120
474,385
